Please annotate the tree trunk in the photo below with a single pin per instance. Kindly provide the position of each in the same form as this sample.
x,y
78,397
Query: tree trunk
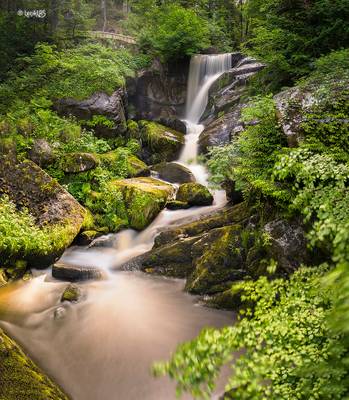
x,y
54,15
104,14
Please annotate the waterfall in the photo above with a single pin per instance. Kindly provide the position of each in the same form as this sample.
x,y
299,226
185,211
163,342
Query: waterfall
x,y
203,72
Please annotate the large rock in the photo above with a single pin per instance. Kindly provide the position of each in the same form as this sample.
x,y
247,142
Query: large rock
x,y
174,173
74,273
54,210
291,105
20,378
144,198
218,261
113,159
41,153
158,92
160,143
194,194
288,244
230,87
100,104
221,130
78,162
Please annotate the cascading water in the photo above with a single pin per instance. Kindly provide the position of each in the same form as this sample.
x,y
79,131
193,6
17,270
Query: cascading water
x,y
103,347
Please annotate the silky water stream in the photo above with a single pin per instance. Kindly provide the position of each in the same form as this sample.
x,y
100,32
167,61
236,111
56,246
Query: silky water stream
x,y
102,348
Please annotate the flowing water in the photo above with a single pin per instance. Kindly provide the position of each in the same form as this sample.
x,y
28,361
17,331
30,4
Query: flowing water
x,y
102,348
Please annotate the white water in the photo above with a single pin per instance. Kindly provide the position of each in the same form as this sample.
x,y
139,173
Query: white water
x,y
102,348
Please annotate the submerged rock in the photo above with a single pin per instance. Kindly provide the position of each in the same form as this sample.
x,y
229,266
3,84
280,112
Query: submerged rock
x,y
194,194
78,162
144,198
20,378
72,293
73,273
174,173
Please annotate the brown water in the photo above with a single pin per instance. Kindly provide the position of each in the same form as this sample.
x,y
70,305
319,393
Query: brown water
x,y
103,347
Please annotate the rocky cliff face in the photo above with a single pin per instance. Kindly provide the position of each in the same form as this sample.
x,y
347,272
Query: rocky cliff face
x,y
158,93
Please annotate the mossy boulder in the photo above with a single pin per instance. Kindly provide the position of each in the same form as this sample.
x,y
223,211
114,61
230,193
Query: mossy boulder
x,y
36,204
218,261
160,143
87,237
173,172
78,162
194,194
144,198
177,205
72,293
20,378
122,162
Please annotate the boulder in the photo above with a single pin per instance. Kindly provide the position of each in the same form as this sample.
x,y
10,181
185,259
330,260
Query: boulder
x,y
73,273
87,237
41,153
177,205
100,104
221,130
78,162
194,194
160,143
113,159
144,198
158,92
288,244
218,261
174,123
21,379
72,293
55,212
173,172
291,105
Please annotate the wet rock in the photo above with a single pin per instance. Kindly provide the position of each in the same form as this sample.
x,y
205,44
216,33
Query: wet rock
x,y
144,198
220,131
59,313
158,92
54,210
21,379
288,244
174,173
69,272
87,237
217,219
194,194
218,261
78,162
160,142
100,104
41,153
72,293
174,123
3,277
177,205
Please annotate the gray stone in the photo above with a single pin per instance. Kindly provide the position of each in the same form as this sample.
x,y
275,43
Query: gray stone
x,y
69,272
288,244
41,153
174,173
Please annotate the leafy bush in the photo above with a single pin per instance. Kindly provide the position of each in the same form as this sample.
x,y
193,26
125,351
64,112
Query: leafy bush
x,y
280,351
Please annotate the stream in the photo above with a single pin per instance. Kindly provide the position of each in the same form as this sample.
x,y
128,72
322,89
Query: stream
x,y
102,348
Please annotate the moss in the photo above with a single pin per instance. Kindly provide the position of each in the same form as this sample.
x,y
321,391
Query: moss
x,y
121,162
215,264
78,162
72,293
20,378
164,143
177,205
194,194
144,198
